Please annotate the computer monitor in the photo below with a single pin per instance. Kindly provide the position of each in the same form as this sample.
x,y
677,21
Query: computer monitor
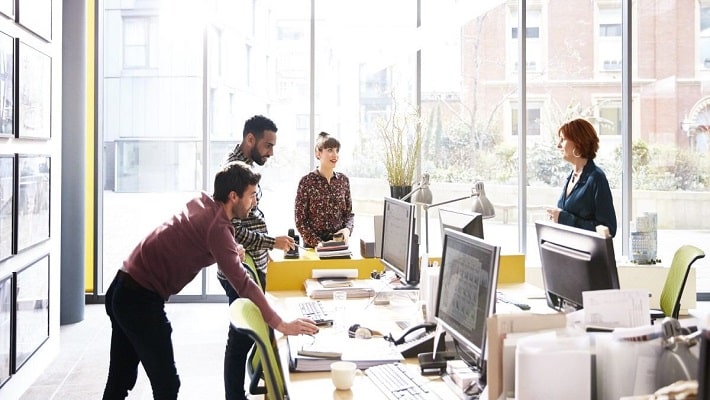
x,y
466,296
463,221
574,260
400,247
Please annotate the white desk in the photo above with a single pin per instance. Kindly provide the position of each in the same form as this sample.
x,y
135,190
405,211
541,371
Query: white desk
x,y
647,277
310,385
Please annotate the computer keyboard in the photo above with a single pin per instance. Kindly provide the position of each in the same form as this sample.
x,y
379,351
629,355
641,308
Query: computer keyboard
x,y
398,382
314,310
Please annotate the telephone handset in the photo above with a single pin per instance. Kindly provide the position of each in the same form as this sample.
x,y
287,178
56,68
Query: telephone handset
x,y
417,339
409,334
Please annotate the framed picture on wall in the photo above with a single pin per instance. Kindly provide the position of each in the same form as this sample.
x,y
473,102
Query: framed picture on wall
x,y
7,8
31,310
36,15
7,190
34,93
32,187
5,328
7,85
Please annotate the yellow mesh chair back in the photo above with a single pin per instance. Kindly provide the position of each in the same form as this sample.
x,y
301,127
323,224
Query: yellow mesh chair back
x,y
684,257
248,264
254,367
247,319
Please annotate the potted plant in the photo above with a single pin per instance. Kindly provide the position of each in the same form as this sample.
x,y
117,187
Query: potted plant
x,y
401,142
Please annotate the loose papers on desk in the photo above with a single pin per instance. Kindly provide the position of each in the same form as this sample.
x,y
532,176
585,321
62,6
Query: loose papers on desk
x,y
616,308
363,352
359,288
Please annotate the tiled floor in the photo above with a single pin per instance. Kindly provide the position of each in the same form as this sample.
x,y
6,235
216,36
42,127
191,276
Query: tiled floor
x,y
79,371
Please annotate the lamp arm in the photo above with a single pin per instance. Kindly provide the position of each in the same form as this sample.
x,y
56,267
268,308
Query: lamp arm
x,y
428,206
408,195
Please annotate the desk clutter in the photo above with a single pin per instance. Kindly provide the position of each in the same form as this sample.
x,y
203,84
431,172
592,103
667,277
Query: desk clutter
x,y
627,362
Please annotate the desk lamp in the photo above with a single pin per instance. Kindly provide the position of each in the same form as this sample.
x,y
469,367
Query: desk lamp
x,y
421,191
481,205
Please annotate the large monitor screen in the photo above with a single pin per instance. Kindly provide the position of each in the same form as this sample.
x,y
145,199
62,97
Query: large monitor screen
x,y
467,287
463,221
399,247
574,260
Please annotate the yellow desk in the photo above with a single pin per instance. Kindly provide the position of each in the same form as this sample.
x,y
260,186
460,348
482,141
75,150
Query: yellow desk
x,y
289,274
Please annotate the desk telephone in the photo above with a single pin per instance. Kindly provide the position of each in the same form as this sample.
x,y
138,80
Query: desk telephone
x,y
417,339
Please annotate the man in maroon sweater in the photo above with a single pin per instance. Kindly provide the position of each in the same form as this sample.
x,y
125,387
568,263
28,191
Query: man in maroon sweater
x,y
166,261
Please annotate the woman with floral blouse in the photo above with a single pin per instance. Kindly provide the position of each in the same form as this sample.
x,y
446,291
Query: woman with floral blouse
x,y
324,207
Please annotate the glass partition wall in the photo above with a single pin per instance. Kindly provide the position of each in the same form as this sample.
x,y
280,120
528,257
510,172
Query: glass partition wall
x,y
176,84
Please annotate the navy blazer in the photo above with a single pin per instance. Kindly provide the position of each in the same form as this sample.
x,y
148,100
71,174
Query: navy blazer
x,y
589,203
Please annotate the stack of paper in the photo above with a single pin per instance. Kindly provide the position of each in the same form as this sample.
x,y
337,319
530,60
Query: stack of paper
x,y
330,253
316,353
356,289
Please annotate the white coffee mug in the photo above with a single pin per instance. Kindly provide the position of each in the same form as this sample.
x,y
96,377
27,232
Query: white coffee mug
x,y
343,374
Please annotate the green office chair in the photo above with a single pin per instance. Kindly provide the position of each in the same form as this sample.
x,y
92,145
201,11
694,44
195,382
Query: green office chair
x,y
246,318
672,291
248,264
254,368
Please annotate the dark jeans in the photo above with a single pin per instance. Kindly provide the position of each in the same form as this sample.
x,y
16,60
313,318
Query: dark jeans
x,y
237,351
140,333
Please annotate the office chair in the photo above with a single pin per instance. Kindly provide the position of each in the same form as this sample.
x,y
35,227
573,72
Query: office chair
x,y
254,367
672,291
246,318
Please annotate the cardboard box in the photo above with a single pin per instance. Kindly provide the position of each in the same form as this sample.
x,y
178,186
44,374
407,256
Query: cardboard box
x,y
498,326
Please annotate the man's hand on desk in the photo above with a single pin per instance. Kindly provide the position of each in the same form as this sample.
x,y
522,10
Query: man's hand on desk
x,y
298,326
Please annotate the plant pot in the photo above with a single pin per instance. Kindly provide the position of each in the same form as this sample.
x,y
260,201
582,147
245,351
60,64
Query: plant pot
x,y
398,192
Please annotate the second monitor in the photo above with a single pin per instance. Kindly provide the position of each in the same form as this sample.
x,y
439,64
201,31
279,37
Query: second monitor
x,y
573,261
468,222
400,246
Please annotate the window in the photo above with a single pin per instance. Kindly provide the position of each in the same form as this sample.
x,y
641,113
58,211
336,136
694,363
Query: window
x,y
533,42
138,33
533,120
609,42
609,119
704,39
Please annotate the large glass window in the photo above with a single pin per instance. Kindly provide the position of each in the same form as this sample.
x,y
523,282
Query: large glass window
x,y
168,120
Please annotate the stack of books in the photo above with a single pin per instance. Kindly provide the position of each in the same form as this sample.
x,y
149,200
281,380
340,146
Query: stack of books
x,y
333,249
316,353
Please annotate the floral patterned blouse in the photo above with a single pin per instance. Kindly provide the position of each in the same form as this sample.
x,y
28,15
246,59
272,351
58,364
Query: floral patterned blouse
x,y
323,208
